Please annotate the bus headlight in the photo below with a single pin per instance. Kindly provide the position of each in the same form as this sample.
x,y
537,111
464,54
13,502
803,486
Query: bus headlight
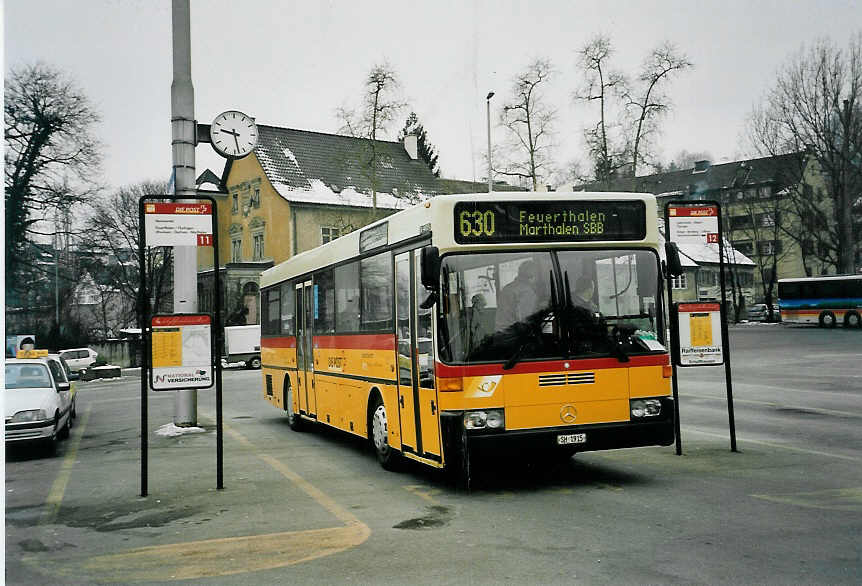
x,y
489,419
641,408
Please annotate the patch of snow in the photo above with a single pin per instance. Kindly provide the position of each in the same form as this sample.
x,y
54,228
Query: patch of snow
x,y
319,192
289,154
171,430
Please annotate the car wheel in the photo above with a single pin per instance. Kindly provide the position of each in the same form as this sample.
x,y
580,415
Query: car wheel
x,y
386,455
254,363
64,431
852,320
827,319
293,418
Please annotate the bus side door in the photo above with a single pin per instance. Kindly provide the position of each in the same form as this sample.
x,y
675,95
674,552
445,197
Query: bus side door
x,y
304,349
417,394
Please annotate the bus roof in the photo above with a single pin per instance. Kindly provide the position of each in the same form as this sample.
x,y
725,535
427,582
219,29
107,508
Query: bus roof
x,y
434,218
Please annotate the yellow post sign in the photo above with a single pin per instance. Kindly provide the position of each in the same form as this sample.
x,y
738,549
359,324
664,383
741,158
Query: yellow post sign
x,y
699,326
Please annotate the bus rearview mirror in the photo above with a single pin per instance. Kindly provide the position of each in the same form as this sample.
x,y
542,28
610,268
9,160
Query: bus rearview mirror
x,y
430,267
674,265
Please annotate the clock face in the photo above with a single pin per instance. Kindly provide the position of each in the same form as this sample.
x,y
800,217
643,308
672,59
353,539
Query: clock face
x,y
233,134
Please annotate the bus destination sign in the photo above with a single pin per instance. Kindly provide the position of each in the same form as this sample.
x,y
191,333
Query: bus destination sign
x,y
549,221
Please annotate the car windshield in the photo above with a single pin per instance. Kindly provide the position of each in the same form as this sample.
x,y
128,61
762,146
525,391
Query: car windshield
x,y
551,304
23,376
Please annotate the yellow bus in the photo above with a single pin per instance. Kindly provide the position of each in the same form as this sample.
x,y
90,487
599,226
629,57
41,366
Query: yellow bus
x,y
516,323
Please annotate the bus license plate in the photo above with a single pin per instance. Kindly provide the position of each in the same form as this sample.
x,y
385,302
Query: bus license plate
x,y
571,438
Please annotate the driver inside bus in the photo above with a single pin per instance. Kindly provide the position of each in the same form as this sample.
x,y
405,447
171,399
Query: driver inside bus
x,y
584,294
518,299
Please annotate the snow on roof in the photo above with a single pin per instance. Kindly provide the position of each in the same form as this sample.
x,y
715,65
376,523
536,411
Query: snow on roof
x,y
319,193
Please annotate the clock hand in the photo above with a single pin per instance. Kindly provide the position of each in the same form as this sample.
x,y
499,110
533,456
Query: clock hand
x,y
235,135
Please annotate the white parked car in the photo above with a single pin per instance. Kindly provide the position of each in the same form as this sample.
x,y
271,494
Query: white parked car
x,y
37,401
79,359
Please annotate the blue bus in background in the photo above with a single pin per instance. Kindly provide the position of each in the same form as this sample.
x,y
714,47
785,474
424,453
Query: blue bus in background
x,y
826,301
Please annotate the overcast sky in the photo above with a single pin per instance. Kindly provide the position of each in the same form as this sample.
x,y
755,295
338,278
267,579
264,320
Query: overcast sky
x,y
292,64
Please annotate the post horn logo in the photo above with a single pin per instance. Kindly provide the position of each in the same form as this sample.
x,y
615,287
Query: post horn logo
x,y
568,413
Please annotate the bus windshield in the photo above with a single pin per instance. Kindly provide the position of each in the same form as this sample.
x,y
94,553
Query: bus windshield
x,y
538,305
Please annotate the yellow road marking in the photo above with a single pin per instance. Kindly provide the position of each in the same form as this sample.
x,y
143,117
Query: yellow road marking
x,y
776,405
838,499
58,489
775,445
227,556
236,555
423,492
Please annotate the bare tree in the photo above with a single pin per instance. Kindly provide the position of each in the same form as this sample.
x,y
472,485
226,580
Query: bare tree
x,y
529,121
649,101
816,106
381,104
51,157
112,233
629,112
601,86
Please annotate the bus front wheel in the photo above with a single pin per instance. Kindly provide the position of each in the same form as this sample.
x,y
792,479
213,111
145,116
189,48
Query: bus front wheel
x,y
852,320
827,319
386,455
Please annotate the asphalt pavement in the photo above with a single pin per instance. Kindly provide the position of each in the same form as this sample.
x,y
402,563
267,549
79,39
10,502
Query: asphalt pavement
x,y
315,507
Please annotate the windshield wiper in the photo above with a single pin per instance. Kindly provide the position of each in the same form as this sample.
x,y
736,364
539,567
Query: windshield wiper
x,y
516,357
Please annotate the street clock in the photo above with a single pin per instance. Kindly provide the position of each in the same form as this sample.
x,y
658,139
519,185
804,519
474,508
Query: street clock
x,y
233,134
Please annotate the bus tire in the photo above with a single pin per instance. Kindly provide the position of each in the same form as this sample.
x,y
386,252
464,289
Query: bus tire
x,y
852,320
294,420
378,426
827,319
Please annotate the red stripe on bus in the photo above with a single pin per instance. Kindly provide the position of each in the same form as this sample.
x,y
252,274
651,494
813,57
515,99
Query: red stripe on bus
x,y
357,342
446,371
281,342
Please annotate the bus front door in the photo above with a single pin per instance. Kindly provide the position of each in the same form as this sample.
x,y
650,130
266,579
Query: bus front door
x,y
304,349
417,395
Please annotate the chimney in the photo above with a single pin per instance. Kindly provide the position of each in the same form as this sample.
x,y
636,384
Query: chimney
x,y
411,145
701,166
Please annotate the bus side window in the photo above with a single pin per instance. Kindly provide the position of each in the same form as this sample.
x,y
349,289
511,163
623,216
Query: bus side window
x,y
324,303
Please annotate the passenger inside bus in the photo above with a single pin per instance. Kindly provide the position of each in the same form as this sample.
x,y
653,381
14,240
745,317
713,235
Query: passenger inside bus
x,y
584,294
518,299
477,320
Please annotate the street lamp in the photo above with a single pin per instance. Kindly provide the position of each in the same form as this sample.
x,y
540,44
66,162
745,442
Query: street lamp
x,y
488,110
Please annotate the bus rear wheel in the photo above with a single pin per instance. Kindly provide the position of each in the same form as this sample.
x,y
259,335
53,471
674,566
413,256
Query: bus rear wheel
x,y
386,455
827,319
852,320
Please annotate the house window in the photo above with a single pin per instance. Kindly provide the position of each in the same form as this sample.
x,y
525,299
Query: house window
x,y
765,192
234,203
328,234
707,278
766,220
737,222
236,250
767,248
680,282
257,242
743,246
255,199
